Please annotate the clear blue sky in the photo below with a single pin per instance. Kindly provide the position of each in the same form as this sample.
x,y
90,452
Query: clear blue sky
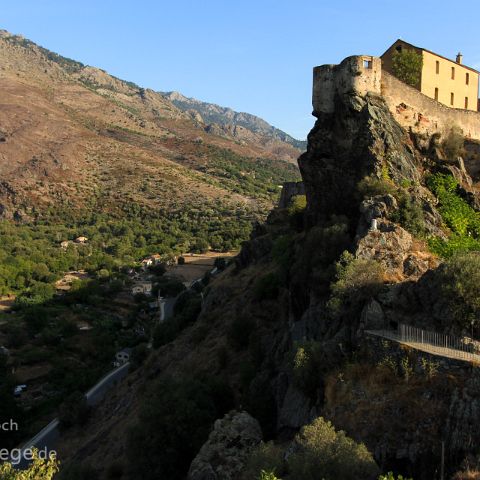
x,y
252,55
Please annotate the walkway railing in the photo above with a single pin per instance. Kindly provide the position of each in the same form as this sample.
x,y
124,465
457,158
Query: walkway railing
x,y
436,343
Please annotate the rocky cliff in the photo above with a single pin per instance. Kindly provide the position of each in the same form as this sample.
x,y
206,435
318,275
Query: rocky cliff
x,y
284,326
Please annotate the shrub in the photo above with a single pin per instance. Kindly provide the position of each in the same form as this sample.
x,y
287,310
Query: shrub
x,y
324,453
462,219
296,211
453,144
459,279
391,476
307,364
407,66
372,186
174,422
40,469
409,215
357,280
297,205
268,476
266,457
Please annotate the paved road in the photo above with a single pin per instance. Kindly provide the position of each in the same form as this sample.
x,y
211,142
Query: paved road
x,y
48,436
169,305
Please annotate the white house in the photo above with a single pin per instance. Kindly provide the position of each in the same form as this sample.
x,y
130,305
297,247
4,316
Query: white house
x,y
142,287
122,357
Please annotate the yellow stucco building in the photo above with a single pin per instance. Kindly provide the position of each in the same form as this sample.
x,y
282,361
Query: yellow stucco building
x,y
447,81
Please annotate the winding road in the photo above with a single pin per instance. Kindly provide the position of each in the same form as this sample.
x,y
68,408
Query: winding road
x,y
48,436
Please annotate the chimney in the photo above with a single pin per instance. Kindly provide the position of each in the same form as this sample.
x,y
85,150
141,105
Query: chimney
x,y
459,58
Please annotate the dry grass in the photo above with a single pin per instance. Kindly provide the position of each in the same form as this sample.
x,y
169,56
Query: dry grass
x,y
467,475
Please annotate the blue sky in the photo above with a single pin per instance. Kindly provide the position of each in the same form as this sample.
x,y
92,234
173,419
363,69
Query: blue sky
x,y
252,55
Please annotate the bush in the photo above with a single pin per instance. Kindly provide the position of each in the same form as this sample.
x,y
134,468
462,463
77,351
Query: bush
x,y
296,211
308,362
459,216
409,215
357,280
460,285
391,476
407,66
40,469
268,475
266,457
453,144
174,422
372,186
326,454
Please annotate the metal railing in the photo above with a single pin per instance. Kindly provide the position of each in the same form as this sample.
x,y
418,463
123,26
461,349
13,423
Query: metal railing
x,y
463,348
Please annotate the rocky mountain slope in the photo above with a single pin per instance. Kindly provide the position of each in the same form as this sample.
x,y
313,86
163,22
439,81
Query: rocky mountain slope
x,y
282,331
74,137
239,124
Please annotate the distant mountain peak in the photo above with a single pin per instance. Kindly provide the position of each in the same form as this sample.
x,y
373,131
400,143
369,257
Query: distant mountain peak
x,y
212,113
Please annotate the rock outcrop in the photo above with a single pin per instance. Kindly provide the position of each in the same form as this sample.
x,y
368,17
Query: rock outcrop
x,y
224,455
360,138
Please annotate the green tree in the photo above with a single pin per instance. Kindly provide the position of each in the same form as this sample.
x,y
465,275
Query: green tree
x,y
407,66
326,454
174,423
460,284
40,469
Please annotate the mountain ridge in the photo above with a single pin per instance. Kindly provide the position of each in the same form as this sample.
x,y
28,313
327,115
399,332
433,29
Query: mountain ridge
x,y
214,113
72,134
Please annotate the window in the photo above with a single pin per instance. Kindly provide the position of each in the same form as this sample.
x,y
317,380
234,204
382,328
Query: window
x,y
466,102
453,73
436,93
398,48
367,64
452,98
467,78
437,66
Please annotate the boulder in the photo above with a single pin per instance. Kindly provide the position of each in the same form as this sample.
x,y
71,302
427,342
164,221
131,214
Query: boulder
x,y
227,449
389,245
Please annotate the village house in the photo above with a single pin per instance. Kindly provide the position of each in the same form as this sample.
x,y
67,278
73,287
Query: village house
x,y
151,260
65,244
144,288
81,240
122,357
447,81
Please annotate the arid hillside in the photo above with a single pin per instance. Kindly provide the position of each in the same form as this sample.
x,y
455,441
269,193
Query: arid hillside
x,y
72,137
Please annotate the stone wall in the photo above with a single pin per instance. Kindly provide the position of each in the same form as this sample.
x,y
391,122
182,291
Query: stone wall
x,y
289,190
415,111
360,74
